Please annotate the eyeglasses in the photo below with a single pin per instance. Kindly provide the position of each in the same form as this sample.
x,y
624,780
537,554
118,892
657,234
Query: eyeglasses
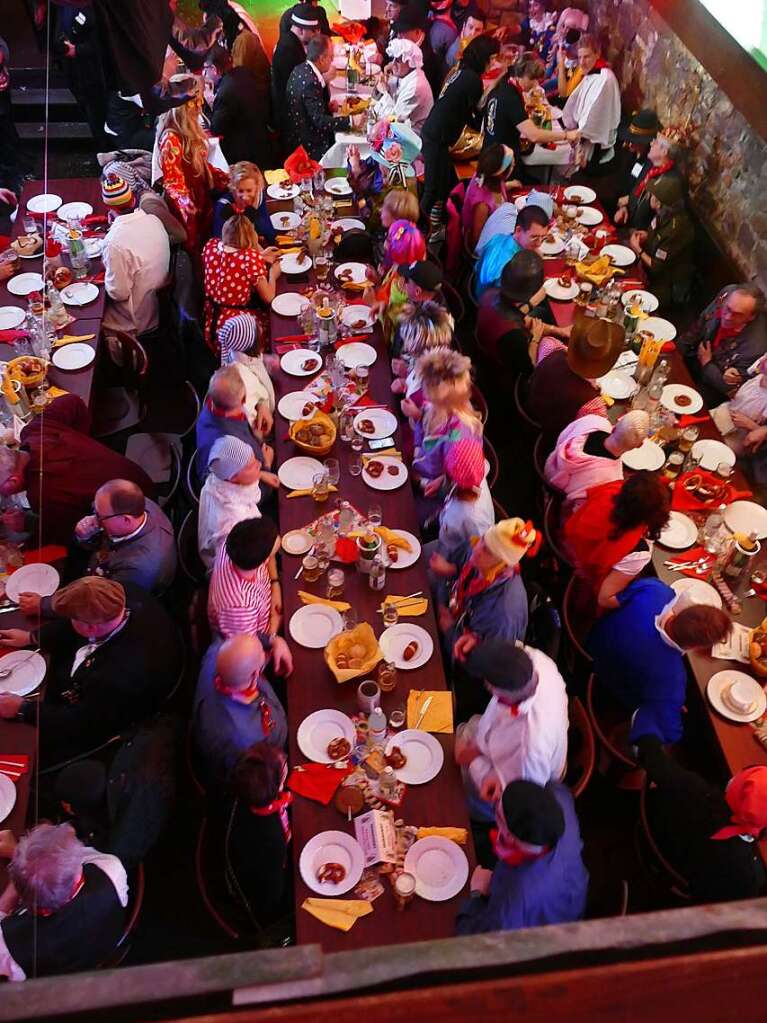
x,y
103,518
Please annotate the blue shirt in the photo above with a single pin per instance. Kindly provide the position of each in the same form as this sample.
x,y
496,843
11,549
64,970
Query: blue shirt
x,y
210,427
495,255
638,664
549,890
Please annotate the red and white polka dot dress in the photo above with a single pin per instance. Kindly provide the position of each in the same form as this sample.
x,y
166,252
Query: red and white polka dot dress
x,y
230,277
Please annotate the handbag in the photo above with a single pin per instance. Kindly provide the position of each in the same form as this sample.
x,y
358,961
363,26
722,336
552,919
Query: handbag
x,y
468,145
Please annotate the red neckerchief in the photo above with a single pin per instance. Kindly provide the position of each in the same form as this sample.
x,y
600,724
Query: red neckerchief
x,y
654,172
512,854
723,333
600,65
212,408
469,584
75,892
279,805
247,697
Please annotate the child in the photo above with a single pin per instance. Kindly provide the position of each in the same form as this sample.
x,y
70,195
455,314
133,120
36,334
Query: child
x,y
420,328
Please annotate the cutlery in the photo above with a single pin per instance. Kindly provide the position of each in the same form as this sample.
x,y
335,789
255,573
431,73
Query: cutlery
x,y
423,712
6,672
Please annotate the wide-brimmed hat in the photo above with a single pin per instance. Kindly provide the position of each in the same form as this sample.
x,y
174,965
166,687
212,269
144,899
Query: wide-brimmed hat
x,y
641,128
592,353
395,144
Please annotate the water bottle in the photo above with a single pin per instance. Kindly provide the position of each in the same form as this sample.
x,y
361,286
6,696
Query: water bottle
x,y
377,727
77,254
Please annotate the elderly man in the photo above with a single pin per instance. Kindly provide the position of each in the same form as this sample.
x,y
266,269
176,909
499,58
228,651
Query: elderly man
x,y
73,465
730,335
289,52
523,731
63,909
231,494
309,121
405,93
234,705
113,663
244,594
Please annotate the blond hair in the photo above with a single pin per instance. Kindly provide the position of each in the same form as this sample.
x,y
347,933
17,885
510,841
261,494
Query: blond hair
x,y
402,205
248,52
239,233
184,120
244,170
446,377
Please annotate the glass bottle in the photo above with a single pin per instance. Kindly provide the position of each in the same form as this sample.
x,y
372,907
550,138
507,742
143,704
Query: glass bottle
x,y
77,254
712,529
376,727
377,574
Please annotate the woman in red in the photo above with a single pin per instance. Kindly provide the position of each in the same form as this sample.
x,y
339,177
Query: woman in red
x,y
235,269
609,535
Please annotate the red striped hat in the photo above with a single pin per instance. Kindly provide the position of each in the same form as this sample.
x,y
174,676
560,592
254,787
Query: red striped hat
x,y
115,191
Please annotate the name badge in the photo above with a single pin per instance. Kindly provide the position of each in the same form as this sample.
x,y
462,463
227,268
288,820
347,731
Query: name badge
x,y
661,254
80,19
636,170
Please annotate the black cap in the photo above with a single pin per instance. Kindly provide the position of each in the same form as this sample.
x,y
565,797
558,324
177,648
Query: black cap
x,y
501,663
305,16
532,813
641,129
425,274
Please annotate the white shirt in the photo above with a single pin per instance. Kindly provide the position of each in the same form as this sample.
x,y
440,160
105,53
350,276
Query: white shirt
x,y
136,259
410,101
531,746
318,73
594,106
223,505
258,384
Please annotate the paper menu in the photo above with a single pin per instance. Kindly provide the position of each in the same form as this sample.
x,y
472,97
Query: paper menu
x,y
736,647
377,836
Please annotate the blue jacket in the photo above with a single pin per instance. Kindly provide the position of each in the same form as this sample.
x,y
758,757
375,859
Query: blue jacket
x,y
550,890
495,255
210,427
637,665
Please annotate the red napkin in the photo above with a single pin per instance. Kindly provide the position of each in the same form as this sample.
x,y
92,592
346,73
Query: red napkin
x,y
11,336
51,552
95,278
14,765
350,340
684,500
685,421
317,781
95,218
693,554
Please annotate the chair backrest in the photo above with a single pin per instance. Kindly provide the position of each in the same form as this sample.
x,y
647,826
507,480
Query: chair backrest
x,y
575,625
188,552
129,355
544,625
136,891
203,868
581,749
678,884
479,402
551,531
500,511
520,386
195,405
470,290
595,706
454,302
167,491
492,457
192,479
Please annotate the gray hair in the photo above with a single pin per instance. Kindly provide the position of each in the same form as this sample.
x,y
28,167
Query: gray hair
x,y
46,865
753,292
673,150
316,47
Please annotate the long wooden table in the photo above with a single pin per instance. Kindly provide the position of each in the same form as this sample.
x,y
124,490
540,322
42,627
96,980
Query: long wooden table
x,y
312,687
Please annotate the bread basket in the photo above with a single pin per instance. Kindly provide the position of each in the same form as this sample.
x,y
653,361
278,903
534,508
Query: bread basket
x,y
326,437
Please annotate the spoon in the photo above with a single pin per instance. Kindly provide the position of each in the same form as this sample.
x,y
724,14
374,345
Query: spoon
x,y
5,672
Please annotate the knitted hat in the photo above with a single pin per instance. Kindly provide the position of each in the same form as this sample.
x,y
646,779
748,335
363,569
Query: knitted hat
x,y
228,456
465,463
121,169
115,191
746,796
239,334
641,129
510,539
424,273
532,814
92,599
667,189
632,429
505,665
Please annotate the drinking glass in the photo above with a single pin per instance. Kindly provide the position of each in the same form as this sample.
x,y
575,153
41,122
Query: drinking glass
x,y
724,470
347,427
358,443
30,224
387,676
375,515
390,615
320,485
688,438
404,890
321,267
333,469
397,716
311,567
362,379
350,619
355,465
336,580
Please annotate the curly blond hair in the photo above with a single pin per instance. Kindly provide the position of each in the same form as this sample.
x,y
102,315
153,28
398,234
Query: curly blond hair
x,y
446,380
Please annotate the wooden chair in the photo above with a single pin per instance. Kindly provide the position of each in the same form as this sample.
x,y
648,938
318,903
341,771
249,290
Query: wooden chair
x,y
471,293
194,768
192,478
479,402
520,385
551,531
576,625
55,768
123,406
491,456
213,893
611,724
454,302
677,885
581,749
188,551
606,898
136,892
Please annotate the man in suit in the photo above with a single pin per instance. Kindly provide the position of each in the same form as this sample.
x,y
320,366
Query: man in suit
x,y
309,121
289,53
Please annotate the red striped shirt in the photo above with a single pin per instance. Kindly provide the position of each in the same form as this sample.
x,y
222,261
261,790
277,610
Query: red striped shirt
x,y
237,605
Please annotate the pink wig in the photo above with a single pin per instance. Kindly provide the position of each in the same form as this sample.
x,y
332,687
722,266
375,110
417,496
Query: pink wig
x,y
404,244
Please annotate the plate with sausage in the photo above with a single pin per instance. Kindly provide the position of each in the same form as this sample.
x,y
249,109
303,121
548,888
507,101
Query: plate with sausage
x,y
408,646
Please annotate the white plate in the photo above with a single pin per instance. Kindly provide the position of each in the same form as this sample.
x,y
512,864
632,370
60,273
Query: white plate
x,y
338,186
650,456
296,541
7,796
278,192
554,289
661,330
297,473
746,517
11,317
79,293
424,756
680,532
48,202
588,216
355,354
439,866
353,314
289,303
33,255
617,385
394,640
646,299
620,255
385,423
406,558
580,194
347,224
332,847
721,681
317,731
359,273
74,211
73,356
285,220
292,362
314,625
295,263
701,591
669,399
93,247
41,579
552,248
291,406
27,677
711,453
25,284
386,481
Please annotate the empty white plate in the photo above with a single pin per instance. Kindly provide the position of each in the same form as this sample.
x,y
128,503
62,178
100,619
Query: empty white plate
x,y
11,317
356,353
580,194
285,220
711,454
671,394
297,473
439,866
295,263
700,591
280,192
650,456
79,293
554,290
424,756
620,255
7,796
617,385
301,362
296,541
338,186
347,224
314,625
718,687
41,579
27,676
48,202
25,284
351,273
406,558
746,517
292,405
588,216
318,730
395,639
357,317
661,330
73,356
74,211
552,248
680,532
331,847
384,423
387,480
289,303
645,299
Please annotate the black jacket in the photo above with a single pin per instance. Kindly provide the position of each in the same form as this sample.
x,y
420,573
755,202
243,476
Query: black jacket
x,y
288,54
256,862
241,113
455,108
309,122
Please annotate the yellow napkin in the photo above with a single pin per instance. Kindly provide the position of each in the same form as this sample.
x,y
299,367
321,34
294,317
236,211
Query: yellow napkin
x,y
56,392
389,537
389,452
457,835
292,251
410,608
439,716
69,338
285,239
607,399
339,913
309,598
353,286
305,493
275,177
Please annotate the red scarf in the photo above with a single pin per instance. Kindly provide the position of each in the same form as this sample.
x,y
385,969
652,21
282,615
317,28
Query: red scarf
x,y
212,408
600,65
724,334
470,583
247,697
279,805
654,172
587,534
511,853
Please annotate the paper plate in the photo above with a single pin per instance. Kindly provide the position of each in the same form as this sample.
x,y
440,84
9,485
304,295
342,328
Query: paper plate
x,y
746,517
285,220
424,756
394,640
700,591
620,255
359,273
650,456
79,293
387,480
7,796
671,394
338,186
41,579
332,847
645,299
11,317
580,194
73,356
297,473
680,532
553,247
278,192
617,385
347,224
295,263
716,691
25,284
384,423
296,541
406,558
588,216
74,211
439,866
297,361
289,303
554,289
48,202
27,677
661,330
356,353
354,315
314,625
711,454
317,731
291,406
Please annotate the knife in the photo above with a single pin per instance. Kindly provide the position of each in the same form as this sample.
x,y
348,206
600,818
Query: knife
x,y
423,712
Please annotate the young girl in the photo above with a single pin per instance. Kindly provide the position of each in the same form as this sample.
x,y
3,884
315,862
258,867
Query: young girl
x,y
404,245
420,329
486,191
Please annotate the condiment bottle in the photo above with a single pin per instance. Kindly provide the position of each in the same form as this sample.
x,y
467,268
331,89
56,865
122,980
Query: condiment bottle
x,y
376,727
387,783
377,574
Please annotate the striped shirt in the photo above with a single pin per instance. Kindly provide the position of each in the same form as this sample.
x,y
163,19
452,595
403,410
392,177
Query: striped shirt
x,y
237,605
